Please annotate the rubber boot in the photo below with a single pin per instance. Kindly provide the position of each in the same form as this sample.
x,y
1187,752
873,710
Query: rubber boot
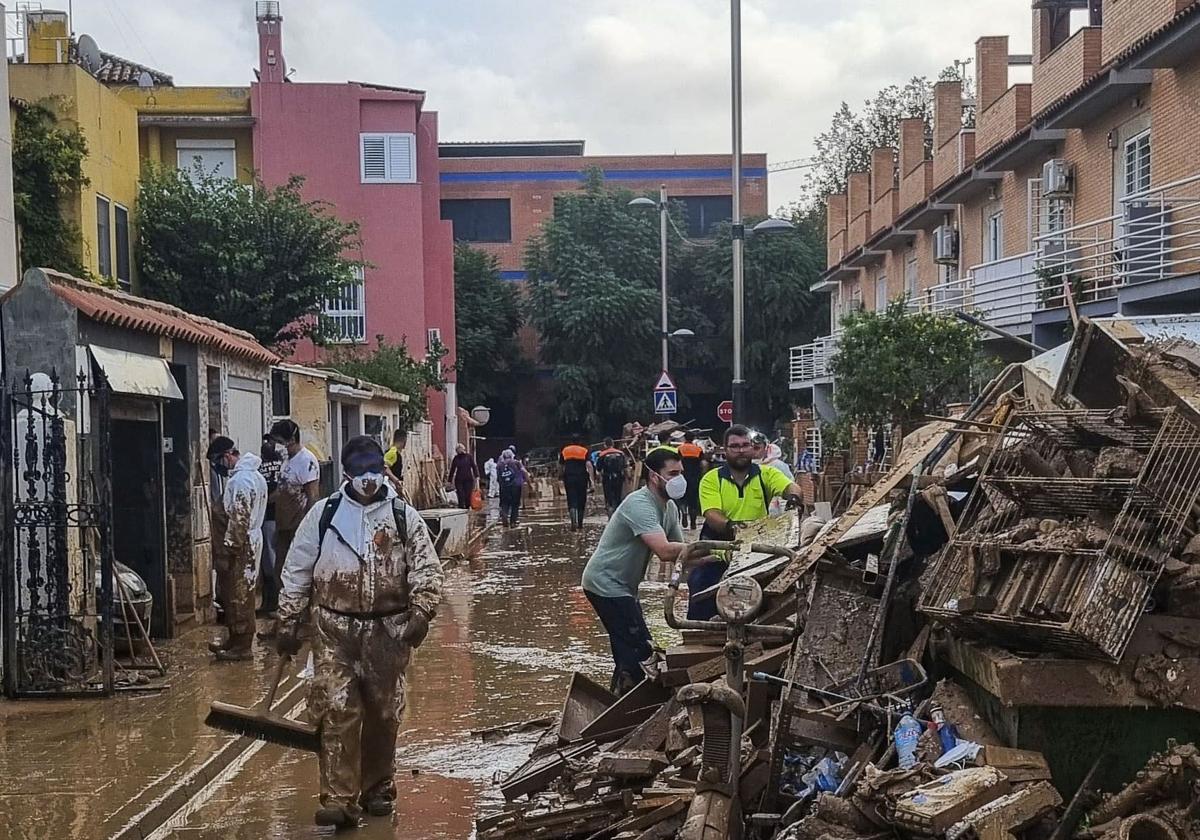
x,y
237,649
337,815
379,802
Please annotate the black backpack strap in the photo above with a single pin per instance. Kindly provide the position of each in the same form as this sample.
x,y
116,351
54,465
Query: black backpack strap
x,y
400,511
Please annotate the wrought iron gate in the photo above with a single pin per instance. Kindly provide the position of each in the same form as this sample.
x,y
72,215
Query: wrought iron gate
x,y
56,503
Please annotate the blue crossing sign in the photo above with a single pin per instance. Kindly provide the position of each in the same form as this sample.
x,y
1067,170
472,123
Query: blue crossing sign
x,y
665,402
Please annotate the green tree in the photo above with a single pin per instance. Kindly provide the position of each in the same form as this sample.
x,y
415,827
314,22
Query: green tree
x,y
780,310
487,315
47,173
257,258
392,366
896,367
594,300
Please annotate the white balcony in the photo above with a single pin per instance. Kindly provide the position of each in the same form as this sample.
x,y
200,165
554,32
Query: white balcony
x,y
809,363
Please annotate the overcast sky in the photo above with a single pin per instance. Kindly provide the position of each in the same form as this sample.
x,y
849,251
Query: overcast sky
x,y
627,76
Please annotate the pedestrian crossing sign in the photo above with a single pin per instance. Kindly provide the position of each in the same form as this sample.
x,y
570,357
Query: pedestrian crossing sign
x,y
664,402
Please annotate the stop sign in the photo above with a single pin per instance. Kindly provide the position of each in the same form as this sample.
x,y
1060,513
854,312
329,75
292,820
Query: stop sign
x,y
725,411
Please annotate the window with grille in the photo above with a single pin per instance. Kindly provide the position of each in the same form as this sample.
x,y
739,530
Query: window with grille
x,y
345,314
993,237
104,236
388,158
1137,164
121,228
433,338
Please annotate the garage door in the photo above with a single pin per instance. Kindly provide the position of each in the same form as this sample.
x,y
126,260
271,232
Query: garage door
x,y
246,404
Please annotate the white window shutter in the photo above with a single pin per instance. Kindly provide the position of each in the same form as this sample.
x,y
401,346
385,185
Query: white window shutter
x,y
374,158
402,158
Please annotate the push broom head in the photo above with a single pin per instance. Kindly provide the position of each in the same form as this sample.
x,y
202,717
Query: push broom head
x,y
264,726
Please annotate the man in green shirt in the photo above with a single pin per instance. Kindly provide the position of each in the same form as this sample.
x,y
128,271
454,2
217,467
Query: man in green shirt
x,y
738,491
646,522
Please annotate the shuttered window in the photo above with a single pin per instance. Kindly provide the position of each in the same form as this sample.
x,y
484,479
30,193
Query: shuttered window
x,y
388,158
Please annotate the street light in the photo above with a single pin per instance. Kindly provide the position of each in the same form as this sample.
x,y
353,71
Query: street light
x,y
662,244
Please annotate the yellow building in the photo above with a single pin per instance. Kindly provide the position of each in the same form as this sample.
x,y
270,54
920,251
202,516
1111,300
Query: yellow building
x,y
129,114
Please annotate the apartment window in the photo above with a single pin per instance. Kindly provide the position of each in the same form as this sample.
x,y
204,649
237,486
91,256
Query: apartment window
x,y
910,272
705,212
215,158
433,338
104,236
1137,163
345,313
881,293
388,158
993,236
121,228
479,219
281,393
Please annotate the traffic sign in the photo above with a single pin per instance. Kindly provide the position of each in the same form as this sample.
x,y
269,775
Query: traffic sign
x,y
665,383
665,402
725,411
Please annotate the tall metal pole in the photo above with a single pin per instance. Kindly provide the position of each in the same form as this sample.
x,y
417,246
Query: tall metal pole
x,y
739,230
662,233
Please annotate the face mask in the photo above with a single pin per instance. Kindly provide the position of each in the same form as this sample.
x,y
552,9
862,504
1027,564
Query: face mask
x,y
676,485
367,484
219,466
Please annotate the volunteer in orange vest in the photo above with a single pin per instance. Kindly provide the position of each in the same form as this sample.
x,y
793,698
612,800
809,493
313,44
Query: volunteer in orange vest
x,y
576,479
694,467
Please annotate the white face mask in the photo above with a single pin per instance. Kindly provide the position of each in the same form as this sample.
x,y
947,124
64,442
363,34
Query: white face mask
x,y
367,484
676,486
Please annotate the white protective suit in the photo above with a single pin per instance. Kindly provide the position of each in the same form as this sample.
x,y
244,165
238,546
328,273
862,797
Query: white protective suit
x,y
245,503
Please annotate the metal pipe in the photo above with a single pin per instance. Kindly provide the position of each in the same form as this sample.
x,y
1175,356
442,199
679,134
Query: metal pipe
x,y
681,563
736,225
984,325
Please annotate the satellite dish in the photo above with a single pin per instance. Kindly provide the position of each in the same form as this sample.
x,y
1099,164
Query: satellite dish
x,y
89,54
145,80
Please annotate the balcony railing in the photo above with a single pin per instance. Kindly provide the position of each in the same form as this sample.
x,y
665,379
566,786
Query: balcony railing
x,y
1155,235
944,297
810,362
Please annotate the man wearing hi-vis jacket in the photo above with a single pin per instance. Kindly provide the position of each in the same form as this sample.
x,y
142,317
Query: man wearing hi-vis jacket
x,y
363,562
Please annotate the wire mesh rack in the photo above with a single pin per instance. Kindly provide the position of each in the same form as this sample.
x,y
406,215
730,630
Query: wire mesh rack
x,y
1068,563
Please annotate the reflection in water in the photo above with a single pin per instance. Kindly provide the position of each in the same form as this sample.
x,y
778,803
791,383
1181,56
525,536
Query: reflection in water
x,y
513,627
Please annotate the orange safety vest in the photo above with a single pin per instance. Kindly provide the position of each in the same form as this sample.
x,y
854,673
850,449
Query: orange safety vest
x,y
690,450
574,453
610,451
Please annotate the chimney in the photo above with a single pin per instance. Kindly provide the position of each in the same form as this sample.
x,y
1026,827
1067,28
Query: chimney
x,y
947,112
47,37
912,144
883,172
858,194
991,70
835,215
271,66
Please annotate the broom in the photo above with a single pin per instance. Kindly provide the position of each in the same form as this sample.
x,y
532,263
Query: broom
x,y
262,724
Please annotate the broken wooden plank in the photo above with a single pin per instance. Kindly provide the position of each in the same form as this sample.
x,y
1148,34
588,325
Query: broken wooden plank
x,y
540,772
627,713
586,700
874,495
642,764
713,668
685,656
652,734
640,822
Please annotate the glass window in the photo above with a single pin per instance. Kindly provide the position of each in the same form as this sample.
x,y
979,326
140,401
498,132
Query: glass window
x,y
104,236
479,219
217,158
993,236
121,228
1137,164
281,393
345,313
388,158
881,293
705,212
910,272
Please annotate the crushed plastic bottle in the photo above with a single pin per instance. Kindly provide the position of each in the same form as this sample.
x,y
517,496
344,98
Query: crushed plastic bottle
x,y
908,732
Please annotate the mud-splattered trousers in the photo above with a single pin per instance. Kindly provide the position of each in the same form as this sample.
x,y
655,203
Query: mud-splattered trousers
x,y
245,502
362,582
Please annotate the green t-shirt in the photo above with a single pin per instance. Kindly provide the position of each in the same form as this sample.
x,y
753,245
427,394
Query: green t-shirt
x,y
619,562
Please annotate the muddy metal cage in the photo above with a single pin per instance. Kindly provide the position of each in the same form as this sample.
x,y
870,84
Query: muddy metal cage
x,y
1081,595
56,556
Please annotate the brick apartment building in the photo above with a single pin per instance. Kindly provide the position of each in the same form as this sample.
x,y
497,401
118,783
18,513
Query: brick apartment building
x,y
1088,173
498,194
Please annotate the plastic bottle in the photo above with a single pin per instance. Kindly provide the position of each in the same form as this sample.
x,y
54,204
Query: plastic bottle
x,y
775,508
947,732
908,732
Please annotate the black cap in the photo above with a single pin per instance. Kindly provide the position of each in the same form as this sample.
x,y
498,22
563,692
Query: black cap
x,y
285,431
219,446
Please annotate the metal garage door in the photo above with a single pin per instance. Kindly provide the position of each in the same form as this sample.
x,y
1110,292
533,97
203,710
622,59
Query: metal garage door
x,y
246,407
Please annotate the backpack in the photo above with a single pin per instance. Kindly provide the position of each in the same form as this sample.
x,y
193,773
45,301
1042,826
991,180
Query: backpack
x,y
331,505
506,473
613,465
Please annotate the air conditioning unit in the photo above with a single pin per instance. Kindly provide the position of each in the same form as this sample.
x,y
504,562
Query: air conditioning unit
x,y
945,245
1056,178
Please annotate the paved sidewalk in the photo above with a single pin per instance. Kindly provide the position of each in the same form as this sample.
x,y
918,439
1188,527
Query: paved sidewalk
x,y
87,768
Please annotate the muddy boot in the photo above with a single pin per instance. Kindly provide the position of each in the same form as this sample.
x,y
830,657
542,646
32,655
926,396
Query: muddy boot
x,y
379,803
237,649
338,816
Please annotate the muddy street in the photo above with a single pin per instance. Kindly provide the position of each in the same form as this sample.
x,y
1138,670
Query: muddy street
x,y
513,627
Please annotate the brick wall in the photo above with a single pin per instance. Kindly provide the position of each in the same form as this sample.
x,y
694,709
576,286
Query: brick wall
x,y
945,162
1127,20
1006,116
884,197
1175,114
991,70
858,196
947,111
1060,72
835,227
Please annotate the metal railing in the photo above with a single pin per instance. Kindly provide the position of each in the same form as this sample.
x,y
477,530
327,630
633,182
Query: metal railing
x,y
944,297
809,363
1155,235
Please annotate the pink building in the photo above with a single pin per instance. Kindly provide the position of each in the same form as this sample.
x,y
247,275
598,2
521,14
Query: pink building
x,y
371,151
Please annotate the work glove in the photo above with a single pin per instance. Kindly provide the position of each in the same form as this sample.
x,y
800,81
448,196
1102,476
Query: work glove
x,y
287,640
416,628
794,502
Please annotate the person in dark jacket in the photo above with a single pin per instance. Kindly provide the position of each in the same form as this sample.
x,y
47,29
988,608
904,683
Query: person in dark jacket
x,y
464,475
576,479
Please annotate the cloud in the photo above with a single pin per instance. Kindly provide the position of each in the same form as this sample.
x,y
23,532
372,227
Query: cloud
x,y
628,76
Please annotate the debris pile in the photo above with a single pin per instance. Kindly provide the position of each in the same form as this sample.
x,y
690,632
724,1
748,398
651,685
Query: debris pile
x,y
999,629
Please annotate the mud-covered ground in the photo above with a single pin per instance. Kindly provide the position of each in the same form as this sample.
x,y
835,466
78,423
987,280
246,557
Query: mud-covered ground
x,y
512,628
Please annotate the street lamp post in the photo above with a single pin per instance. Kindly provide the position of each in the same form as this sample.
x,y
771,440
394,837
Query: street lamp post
x,y
739,229
663,220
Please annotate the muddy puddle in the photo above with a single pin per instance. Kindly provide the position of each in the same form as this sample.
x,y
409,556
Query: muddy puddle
x,y
512,628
